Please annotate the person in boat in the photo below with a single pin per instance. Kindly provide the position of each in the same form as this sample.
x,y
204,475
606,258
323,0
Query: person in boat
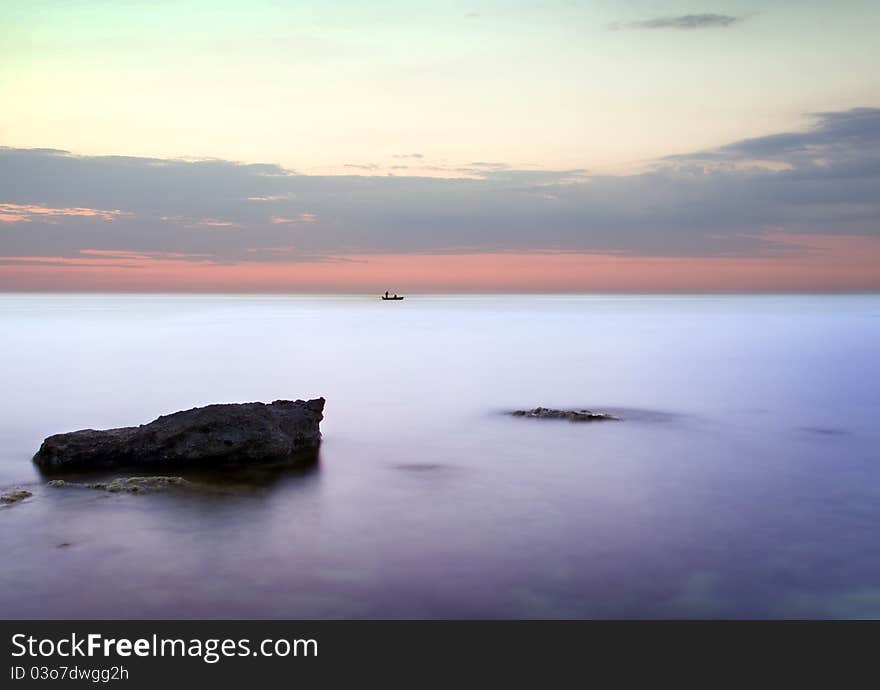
x,y
386,294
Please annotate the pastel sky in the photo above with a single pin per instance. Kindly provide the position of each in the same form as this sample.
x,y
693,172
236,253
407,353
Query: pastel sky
x,y
358,145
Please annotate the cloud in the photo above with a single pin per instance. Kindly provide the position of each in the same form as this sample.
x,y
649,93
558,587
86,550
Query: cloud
x,y
852,134
489,165
741,199
276,197
102,258
200,222
25,213
684,21
214,223
301,218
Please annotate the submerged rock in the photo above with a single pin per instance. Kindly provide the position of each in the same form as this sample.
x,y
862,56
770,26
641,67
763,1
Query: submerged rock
x,y
131,485
14,496
571,415
217,434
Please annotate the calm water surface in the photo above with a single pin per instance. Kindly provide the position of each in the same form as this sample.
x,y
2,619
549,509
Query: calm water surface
x,y
744,480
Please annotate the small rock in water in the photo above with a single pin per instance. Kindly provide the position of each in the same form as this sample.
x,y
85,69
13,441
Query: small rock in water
x,y
14,496
131,485
571,415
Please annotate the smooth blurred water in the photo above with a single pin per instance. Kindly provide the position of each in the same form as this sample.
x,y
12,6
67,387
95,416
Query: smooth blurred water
x,y
743,482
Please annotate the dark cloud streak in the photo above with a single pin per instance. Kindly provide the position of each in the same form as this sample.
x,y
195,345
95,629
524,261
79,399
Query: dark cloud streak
x,y
687,22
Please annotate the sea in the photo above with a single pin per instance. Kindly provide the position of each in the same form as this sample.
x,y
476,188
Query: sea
x,y
742,480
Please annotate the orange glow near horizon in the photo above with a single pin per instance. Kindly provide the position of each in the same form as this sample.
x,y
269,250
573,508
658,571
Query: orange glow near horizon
x,y
830,263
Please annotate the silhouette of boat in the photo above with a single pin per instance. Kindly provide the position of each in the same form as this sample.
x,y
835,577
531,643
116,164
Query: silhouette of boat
x,y
391,298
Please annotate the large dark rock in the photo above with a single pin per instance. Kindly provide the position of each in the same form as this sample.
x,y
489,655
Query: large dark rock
x,y
217,434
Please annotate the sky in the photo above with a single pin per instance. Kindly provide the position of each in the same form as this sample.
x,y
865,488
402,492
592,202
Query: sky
x,y
352,146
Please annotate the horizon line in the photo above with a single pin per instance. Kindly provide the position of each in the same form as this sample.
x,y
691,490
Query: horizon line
x,y
282,293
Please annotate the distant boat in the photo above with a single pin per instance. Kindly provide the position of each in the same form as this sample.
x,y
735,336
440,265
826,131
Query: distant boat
x,y
391,298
